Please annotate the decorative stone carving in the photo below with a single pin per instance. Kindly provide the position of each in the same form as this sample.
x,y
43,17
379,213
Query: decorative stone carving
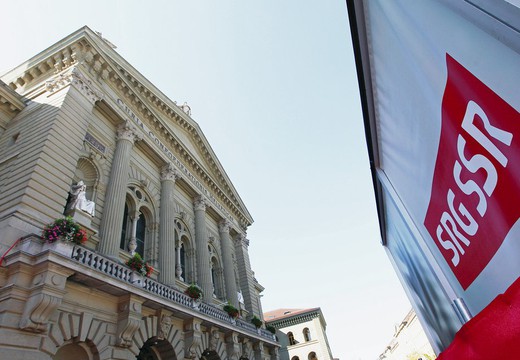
x,y
259,350
213,339
38,311
48,289
58,83
86,87
247,348
274,353
241,239
164,327
186,108
192,338
199,203
127,132
129,320
168,172
224,226
233,346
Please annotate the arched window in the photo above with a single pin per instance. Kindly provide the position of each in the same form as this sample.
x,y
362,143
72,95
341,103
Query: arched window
x,y
291,338
138,214
124,229
185,254
217,277
312,356
140,234
183,261
307,334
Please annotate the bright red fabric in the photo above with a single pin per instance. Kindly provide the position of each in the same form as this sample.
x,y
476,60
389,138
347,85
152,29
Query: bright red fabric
x,y
494,333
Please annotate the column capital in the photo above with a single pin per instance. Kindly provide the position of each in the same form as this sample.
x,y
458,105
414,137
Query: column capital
x,y
241,239
127,132
199,203
169,172
224,226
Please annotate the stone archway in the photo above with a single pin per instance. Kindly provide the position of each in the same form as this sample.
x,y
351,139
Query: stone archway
x,y
73,351
156,349
210,355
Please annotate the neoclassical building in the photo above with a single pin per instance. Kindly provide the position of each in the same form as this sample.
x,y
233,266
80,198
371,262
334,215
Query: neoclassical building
x,y
301,333
78,115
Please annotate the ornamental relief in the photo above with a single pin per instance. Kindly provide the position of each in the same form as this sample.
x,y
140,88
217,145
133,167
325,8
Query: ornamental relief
x,y
139,179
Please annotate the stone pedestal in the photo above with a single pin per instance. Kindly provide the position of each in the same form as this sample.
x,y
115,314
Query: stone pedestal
x,y
81,217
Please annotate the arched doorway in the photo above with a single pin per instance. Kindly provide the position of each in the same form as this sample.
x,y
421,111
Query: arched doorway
x,y
76,351
209,355
155,349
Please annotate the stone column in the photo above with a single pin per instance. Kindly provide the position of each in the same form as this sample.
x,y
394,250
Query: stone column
x,y
112,219
133,236
167,256
227,260
201,242
178,266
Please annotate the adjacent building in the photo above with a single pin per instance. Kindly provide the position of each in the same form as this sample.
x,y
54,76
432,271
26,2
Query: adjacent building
x,y
83,133
301,333
409,341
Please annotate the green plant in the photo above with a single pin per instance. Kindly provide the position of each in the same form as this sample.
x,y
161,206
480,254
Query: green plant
x,y
66,229
271,328
194,292
256,321
136,263
231,310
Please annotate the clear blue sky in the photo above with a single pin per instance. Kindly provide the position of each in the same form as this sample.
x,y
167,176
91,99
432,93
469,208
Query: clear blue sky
x,y
273,86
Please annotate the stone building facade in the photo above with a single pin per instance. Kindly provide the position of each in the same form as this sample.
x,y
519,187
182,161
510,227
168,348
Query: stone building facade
x,y
301,333
409,341
79,112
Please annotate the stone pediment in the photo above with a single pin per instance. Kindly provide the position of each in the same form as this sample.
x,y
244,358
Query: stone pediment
x,y
88,52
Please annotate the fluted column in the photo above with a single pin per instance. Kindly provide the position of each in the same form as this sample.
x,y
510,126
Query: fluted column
x,y
167,256
201,242
112,219
227,260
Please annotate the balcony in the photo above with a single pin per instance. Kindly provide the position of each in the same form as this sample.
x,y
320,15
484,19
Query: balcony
x,y
97,271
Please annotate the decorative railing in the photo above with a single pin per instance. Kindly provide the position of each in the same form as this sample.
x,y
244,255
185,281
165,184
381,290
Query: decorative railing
x,y
121,272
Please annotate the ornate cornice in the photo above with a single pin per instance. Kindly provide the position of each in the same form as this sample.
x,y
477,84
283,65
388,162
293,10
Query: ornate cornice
x,y
86,86
293,320
10,99
58,82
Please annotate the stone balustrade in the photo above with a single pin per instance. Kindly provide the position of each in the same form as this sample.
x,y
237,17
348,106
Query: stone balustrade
x,y
121,272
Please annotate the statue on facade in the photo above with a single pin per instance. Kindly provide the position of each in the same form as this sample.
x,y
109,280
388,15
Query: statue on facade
x,y
78,199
